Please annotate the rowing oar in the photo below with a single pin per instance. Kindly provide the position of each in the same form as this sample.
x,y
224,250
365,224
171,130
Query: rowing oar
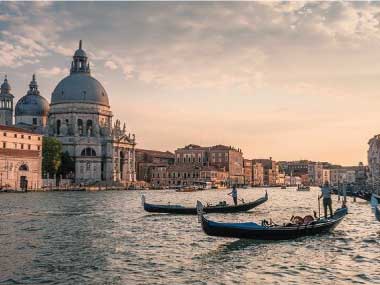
x,y
319,207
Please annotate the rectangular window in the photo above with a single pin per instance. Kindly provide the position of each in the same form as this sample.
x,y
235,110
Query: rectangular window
x,y
15,135
22,136
22,146
39,138
29,146
29,137
34,121
15,145
4,144
5,134
38,147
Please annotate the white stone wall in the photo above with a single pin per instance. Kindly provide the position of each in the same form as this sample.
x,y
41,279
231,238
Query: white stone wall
x,y
374,160
41,120
20,156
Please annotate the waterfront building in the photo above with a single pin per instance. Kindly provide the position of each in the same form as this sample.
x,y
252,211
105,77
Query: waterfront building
x,y
146,160
248,171
257,174
20,158
373,155
80,117
271,170
223,158
315,173
326,176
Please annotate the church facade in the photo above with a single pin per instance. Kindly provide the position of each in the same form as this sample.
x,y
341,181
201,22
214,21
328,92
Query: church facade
x,y
80,117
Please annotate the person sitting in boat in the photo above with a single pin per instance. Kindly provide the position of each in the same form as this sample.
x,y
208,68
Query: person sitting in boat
x,y
234,194
326,195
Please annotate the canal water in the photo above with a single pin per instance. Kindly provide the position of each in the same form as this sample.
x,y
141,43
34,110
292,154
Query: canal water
x,y
107,238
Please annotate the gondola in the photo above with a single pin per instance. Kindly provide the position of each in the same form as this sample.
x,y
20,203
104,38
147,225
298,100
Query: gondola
x,y
375,206
269,232
178,209
362,195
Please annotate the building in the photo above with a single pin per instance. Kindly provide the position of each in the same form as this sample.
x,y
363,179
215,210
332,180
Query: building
x,y
223,158
146,160
32,109
80,117
315,173
248,172
6,104
326,176
20,158
257,174
271,170
373,155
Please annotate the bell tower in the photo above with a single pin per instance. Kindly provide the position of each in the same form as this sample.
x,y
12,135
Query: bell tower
x,y
6,104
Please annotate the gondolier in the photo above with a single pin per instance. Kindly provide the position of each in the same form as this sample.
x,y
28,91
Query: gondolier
x,y
234,194
326,195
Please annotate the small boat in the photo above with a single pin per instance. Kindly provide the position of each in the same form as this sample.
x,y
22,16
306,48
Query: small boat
x,y
269,232
178,209
283,187
187,190
303,188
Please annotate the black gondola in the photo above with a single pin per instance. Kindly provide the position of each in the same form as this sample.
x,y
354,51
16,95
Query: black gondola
x,y
275,232
178,209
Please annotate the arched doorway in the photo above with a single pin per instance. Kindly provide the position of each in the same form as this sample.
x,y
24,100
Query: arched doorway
x,y
23,177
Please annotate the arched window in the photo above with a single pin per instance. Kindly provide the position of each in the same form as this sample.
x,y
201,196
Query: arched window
x,y
88,151
23,167
121,164
80,127
89,128
58,127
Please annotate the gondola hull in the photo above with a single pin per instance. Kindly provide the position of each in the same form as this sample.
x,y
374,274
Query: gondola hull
x,y
176,209
255,231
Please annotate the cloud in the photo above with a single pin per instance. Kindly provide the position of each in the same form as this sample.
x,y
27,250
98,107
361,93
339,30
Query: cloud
x,y
54,71
110,65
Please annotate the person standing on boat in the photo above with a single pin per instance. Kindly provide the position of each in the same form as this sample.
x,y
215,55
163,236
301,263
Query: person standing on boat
x,y
326,195
234,194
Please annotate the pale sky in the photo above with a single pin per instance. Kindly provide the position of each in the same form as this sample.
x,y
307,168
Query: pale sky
x,y
288,80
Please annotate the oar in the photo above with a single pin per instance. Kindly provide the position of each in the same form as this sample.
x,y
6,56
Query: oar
x,y
319,207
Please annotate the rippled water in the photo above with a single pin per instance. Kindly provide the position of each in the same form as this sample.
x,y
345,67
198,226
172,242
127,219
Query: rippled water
x,y
107,238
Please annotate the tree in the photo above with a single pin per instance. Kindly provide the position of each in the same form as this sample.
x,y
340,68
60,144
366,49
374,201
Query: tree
x,y
67,165
51,155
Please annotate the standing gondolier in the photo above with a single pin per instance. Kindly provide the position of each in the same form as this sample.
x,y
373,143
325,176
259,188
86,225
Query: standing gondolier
x,y
326,195
234,194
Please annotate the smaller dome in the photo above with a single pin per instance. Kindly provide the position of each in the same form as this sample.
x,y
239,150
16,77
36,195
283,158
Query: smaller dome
x,y
5,87
32,104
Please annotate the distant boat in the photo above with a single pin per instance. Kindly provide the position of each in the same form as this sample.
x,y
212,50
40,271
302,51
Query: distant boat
x,y
221,208
303,188
283,187
273,232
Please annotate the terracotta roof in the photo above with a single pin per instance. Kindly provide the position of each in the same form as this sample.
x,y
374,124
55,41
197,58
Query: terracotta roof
x,y
15,129
19,152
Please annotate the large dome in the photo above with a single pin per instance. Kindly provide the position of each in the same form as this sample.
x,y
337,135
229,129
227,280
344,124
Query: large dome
x,y
79,87
32,104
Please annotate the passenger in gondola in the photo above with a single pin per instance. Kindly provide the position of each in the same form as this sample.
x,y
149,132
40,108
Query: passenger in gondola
x,y
326,195
234,194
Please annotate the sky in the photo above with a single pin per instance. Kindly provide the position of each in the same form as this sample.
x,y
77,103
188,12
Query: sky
x,y
287,80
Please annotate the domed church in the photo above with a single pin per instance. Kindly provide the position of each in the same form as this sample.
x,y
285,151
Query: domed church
x,y
30,112
80,117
